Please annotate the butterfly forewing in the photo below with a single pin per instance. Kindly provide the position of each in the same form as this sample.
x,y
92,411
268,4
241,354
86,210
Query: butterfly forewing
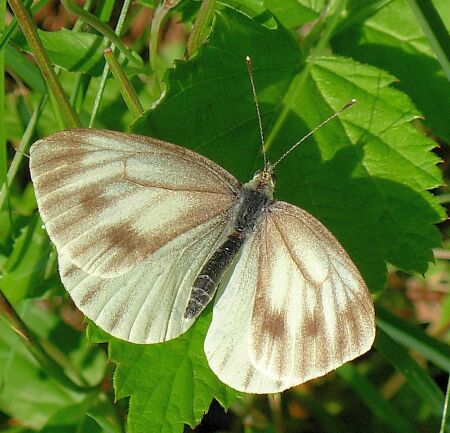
x,y
110,200
309,308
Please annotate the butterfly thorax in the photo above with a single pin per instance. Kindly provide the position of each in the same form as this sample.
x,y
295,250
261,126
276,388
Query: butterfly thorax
x,y
251,204
255,196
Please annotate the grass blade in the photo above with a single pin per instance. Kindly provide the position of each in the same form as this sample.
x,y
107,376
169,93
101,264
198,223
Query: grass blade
x,y
416,376
435,31
414,338
382,409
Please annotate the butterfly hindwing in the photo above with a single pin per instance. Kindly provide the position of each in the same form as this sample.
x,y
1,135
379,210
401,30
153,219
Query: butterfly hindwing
x,y
312,309
146,304
306,309
227,341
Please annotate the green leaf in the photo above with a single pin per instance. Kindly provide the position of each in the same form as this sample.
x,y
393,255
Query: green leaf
x,y
416,376
364,175
414,338
23,272
169,383
392,40
294,13
30,394
367,175
74,51
24,68
382,409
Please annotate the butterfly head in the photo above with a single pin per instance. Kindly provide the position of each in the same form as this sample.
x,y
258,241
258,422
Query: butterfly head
x,y
264,181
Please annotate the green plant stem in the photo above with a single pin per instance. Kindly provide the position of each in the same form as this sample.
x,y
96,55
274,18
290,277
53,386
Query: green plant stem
x,y
200,29
103,28
10,30
3,149
126,89
277,411
299,81
104,77
445,410
30,32
158,17
22,150
435,31
8,313
82,81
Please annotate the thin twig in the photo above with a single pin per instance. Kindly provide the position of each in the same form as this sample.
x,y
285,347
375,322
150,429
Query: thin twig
x,y
29,30
9,314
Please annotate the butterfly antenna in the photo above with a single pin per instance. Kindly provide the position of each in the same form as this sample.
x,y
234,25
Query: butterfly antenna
x,y
249,63
347,105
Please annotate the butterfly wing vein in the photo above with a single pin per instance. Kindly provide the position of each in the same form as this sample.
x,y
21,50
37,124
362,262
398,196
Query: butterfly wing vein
x,y
110,200
133,219
295,304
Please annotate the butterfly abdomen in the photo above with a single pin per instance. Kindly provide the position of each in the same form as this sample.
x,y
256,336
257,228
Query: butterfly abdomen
x,y
247,214
206,282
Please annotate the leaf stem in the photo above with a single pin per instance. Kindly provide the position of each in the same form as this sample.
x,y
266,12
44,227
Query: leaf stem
x,y
296,87
9,314
435,31
29,30
129,95
103,28
200,29
445,409
158,17
101,87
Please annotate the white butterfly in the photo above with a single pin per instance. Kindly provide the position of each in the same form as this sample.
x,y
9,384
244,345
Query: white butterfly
x,y
146,230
